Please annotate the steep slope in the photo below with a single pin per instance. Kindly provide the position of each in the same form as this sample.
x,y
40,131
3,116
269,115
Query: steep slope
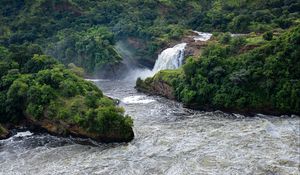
x,y
58,26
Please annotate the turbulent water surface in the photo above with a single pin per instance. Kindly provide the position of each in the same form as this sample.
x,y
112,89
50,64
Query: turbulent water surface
x,y
168,140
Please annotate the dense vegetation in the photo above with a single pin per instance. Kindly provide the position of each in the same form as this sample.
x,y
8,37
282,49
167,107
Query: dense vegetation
x,y
235,75
36,87
84,31
229,75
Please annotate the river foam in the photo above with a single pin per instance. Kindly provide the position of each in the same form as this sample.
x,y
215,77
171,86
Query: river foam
x,y
137,99
169,139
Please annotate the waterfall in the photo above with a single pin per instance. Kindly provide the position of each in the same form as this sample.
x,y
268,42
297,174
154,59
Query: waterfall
x,y
170,58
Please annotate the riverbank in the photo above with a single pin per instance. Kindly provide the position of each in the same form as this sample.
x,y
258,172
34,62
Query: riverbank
x,y
161,85
235,75
169,139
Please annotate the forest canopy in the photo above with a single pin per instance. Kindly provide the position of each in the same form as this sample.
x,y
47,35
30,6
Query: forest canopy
x,y
38,88
58,26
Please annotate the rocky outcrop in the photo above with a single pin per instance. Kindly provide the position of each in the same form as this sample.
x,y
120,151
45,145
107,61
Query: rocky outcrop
x,y
64,129
193,48
156,87
61,128
160,84
162,88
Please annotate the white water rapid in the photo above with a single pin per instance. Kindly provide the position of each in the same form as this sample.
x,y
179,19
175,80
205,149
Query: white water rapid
x,y
169,140
202,36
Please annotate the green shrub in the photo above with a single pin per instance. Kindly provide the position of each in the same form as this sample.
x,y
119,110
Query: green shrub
x,y
35,110
225,38
268,36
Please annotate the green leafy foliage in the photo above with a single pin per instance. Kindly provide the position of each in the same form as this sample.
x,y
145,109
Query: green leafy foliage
x,y
230,77
91,49
45,89
265,79
39,62
76,70
268,36
84,32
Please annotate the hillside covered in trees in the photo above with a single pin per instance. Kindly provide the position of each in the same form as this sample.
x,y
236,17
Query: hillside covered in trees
x,y
46,45
218,93
84,32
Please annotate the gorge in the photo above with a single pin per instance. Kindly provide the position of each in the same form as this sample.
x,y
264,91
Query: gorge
x,y
169,139
144,87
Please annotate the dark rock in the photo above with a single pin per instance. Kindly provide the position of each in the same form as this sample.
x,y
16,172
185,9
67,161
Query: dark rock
x,y
156,87
4,133
60,128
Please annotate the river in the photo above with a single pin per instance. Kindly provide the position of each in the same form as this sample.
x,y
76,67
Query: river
x,y
169,139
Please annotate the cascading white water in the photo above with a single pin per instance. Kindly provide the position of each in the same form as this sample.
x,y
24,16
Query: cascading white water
x,y
202,36
170,58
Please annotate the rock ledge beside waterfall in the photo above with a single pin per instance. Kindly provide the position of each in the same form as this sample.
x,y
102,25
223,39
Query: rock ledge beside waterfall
x,y
195,42
160,84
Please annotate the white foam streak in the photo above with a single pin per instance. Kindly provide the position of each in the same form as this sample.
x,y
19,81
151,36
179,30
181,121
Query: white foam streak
x,y
137,99
23,134
96,80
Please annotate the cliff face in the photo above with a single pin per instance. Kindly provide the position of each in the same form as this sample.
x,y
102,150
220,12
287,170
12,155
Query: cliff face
x,y
156,87
161,84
